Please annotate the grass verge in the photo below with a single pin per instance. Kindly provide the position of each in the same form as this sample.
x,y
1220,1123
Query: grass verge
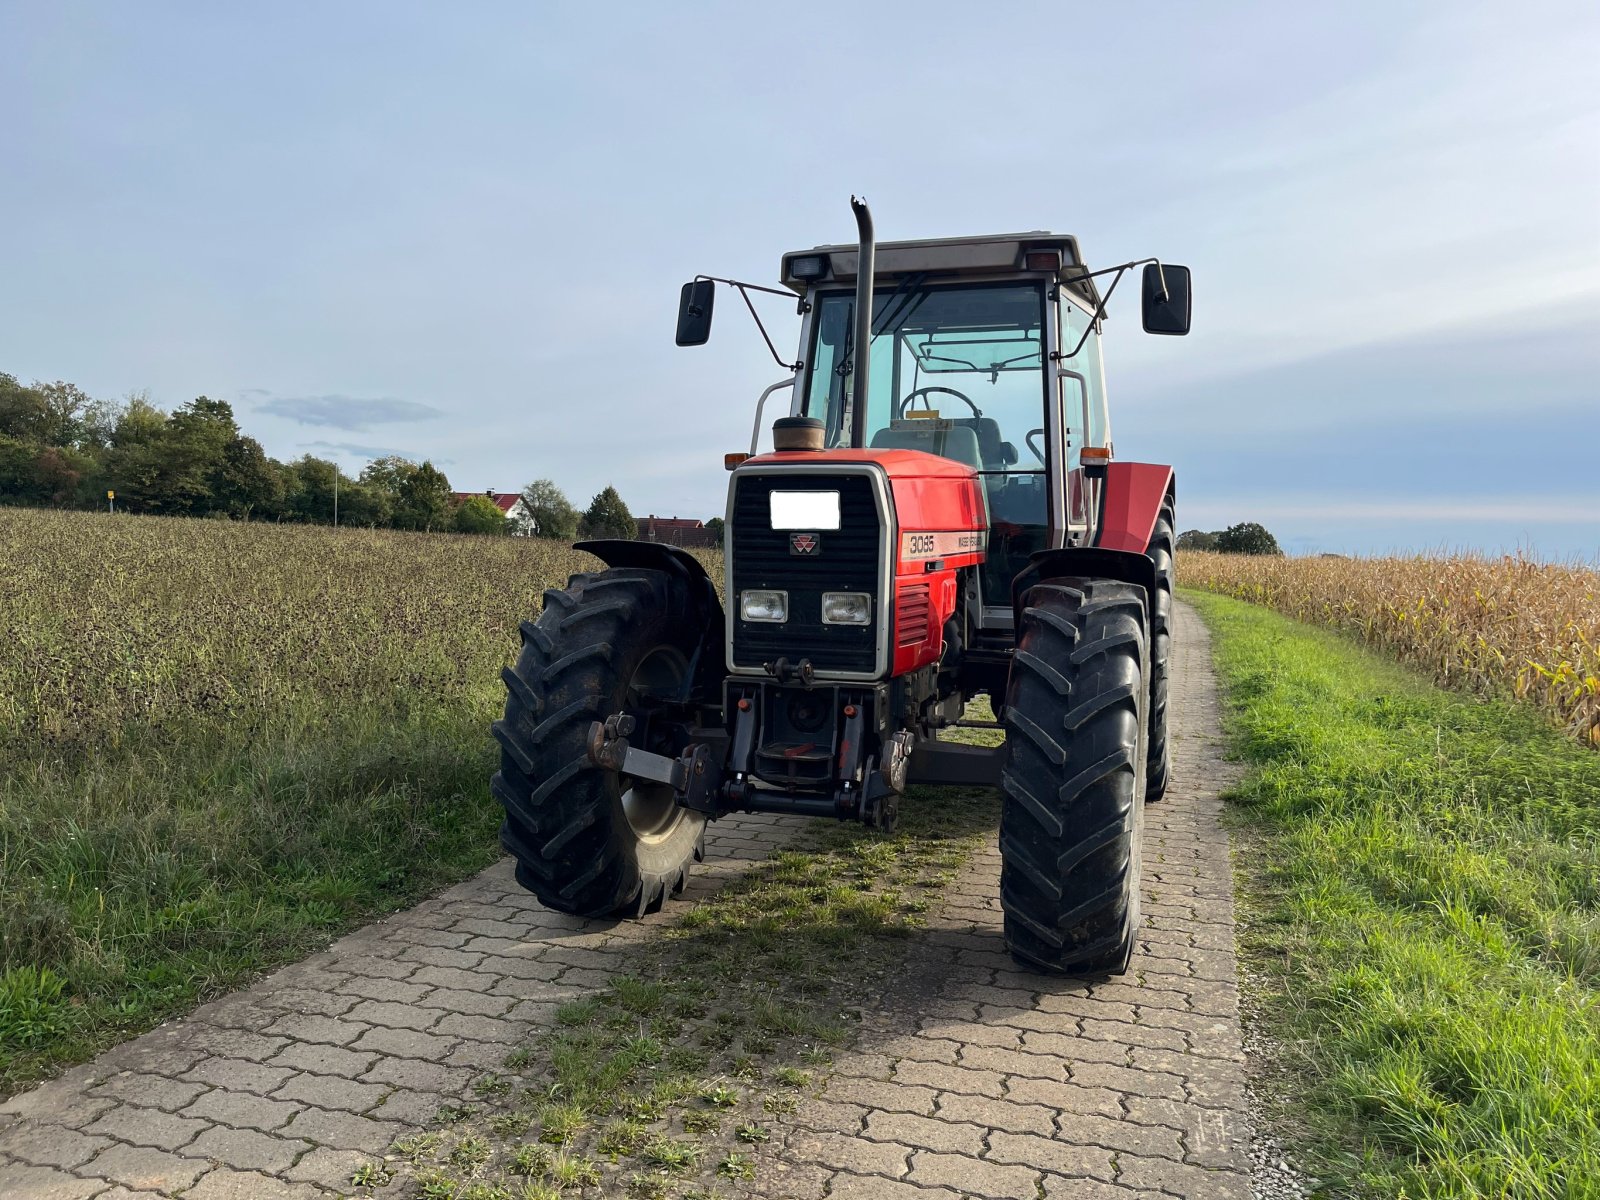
x,y
143,882
1422,898
666,1082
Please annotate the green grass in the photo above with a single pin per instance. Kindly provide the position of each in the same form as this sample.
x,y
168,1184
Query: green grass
x,y
148,881
1422,897
662,1082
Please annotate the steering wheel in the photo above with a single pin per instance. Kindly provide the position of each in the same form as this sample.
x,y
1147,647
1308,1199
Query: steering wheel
x,y
1037,453
924,393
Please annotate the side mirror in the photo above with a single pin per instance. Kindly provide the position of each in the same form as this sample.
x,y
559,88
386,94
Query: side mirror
x,y
694,312
1166,298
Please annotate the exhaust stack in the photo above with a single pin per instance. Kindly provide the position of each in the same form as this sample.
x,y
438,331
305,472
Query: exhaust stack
x,y
863,333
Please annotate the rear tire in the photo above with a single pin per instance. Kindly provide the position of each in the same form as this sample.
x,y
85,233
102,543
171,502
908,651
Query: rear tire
x,y
1158,759
586,841
1073,785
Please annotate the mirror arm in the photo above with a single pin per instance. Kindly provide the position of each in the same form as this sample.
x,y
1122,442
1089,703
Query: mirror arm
x,y
744,290
755,434
1100,309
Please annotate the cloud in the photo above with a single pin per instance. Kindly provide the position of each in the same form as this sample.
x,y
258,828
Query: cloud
x,y
1555,510
362,450
346,412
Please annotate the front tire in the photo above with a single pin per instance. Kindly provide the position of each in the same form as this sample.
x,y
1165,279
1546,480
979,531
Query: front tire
x,y
585,840
1072,816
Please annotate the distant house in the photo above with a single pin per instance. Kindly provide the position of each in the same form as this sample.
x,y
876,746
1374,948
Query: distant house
x,y
677,531
509,503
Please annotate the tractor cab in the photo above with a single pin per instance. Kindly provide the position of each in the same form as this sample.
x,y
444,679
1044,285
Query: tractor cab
x,y
966,340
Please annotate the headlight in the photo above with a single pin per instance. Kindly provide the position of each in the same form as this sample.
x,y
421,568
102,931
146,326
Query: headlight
x,y
764,606
846,608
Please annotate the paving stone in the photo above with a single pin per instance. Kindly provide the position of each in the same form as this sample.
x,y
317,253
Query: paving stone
x,y
328,1167
831,1115
1181,1179
312,1000
239,1074
1066,1097
974,1176
875,1187
145,1168
44,1145
226,1184
345,1131
419,1075
484,1029
458,1000
314,1027
21,1182
404,1043
154,1091
1052,1154
330,1091
1126,1079
925,1132
890,1097
220,1042
857,1154
61,1101
247,1149
952,1078
146,1127
439,956
997,1114
480,1056
243,1109
408,1107
324,1059
407,991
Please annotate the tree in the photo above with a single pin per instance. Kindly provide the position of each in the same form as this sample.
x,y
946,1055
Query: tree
x,y
549,513
1247,537
418,493
479,514
714,525
1197,539
247,484
608,517
364,506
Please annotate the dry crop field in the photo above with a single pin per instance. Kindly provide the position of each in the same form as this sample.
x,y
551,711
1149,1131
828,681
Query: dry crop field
x,y
1486,625
220,743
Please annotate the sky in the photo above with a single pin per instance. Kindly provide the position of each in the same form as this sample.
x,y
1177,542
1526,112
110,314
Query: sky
x,y
458,231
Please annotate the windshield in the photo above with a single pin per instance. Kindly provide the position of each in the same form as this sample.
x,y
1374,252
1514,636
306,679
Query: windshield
x,y
965,361
956,370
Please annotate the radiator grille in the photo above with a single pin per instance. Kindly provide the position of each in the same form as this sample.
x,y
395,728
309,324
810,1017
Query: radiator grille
x,y
847,560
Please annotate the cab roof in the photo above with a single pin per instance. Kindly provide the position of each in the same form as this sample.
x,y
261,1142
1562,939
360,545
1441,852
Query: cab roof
x,y
984,254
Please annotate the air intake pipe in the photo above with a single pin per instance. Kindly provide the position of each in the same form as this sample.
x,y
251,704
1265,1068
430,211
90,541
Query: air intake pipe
x,y
863,334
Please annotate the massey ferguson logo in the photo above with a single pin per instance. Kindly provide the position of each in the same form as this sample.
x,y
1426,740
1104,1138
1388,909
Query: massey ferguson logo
x,y
804,543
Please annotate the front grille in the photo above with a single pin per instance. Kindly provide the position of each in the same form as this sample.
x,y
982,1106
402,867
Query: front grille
x,y
911,615
847,559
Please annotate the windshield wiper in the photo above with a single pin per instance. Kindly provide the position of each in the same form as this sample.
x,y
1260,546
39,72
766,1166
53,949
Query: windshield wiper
x,y
891,315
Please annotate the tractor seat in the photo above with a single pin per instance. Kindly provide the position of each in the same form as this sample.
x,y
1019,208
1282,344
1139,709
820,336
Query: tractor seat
x,y
997,453
959,443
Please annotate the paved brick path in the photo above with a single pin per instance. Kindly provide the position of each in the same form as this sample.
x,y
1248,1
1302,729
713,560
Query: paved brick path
x,y
972,1079
976,1078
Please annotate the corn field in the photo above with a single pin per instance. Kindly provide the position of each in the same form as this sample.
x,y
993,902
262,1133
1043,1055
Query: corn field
x,y
1492,626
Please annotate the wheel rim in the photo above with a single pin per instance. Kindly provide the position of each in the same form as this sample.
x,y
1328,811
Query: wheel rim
x,y
652,808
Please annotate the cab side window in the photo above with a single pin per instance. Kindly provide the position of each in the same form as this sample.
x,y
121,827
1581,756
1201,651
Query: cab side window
x,y
1086,422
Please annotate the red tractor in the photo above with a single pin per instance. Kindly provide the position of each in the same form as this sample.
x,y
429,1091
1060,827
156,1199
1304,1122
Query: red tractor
x,y
941,518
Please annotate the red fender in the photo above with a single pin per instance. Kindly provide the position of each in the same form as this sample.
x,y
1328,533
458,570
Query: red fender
x,y
1132,496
